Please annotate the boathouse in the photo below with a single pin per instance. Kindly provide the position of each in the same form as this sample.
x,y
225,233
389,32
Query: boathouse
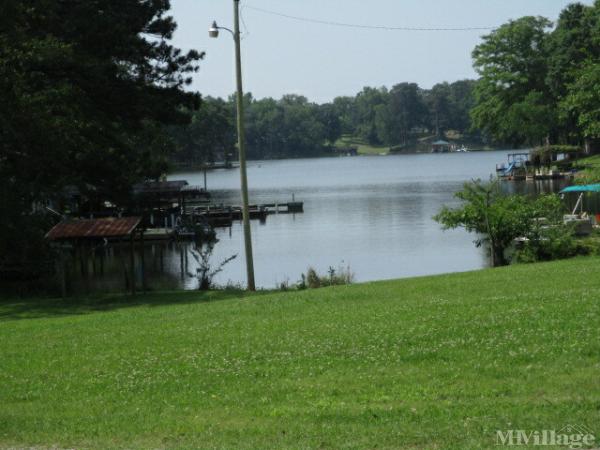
x,y
167,192
76,241
440,146
161,202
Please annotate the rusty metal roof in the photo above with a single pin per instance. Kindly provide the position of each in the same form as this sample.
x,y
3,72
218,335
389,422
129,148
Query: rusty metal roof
x,y
94,228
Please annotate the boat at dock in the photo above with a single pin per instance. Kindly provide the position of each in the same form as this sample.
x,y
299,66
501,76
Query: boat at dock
x,y
521,166
515,168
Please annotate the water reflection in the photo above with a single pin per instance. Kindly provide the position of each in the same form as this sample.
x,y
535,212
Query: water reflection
x,y
371,213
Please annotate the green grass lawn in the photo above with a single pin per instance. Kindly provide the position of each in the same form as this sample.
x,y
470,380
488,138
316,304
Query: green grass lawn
x,y
591,161
362,147
590,170
434,362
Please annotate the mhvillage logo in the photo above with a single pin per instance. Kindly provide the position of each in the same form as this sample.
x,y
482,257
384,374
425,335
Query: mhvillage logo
x,y
571,436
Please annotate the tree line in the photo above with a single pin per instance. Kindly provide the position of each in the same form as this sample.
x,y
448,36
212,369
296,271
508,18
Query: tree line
x,y
293,126
538,82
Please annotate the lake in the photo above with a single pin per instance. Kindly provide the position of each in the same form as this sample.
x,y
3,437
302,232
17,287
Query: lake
x,y
371,214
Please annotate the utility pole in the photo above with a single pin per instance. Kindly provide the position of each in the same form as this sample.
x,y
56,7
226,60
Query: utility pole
x,y
214,32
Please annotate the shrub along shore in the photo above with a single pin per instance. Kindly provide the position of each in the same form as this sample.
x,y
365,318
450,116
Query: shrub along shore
x,y
431,362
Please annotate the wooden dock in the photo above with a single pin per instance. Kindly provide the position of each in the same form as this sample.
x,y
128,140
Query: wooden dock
x,y
223,216
158,234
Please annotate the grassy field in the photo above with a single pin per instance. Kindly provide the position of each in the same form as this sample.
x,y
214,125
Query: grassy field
x,y
433,362
362,147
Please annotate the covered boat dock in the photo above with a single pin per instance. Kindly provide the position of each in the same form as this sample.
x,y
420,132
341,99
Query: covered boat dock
x,y
78,238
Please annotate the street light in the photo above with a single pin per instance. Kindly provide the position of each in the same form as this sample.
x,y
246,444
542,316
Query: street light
x,y
213,32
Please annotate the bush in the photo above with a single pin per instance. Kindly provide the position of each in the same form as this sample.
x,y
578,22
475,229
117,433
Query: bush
x,y
205,272
499,219
557,242
547,243
313,280
588,246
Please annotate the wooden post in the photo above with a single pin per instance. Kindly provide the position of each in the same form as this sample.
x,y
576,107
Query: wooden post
x,y
162,261
143,261
94,268
153,247
186,258
62,272
132,263
123,267
181,260
79,253
102,256
85,266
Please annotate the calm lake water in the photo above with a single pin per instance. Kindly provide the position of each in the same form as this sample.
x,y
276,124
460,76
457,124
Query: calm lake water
x,y
372,214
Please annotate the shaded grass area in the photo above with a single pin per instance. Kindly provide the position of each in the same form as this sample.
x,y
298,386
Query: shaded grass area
x,y
16,308
422,145
432,362
363,148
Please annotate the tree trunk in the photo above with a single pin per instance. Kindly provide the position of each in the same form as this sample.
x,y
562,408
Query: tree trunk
x,y
497,256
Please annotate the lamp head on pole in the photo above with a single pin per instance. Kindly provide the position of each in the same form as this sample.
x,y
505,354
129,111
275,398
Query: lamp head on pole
x,y
213,31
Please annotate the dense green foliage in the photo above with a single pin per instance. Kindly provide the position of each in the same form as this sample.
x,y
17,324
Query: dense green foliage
x,y
294,127
512,97
289,127
499,219
82,84
540,83
547,155
581,100
86,90
431,362
208,137
406,111
546,243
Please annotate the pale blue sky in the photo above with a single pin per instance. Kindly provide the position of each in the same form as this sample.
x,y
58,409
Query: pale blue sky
x,y
283,56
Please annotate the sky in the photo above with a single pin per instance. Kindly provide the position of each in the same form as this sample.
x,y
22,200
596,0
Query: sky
x,y
286,56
